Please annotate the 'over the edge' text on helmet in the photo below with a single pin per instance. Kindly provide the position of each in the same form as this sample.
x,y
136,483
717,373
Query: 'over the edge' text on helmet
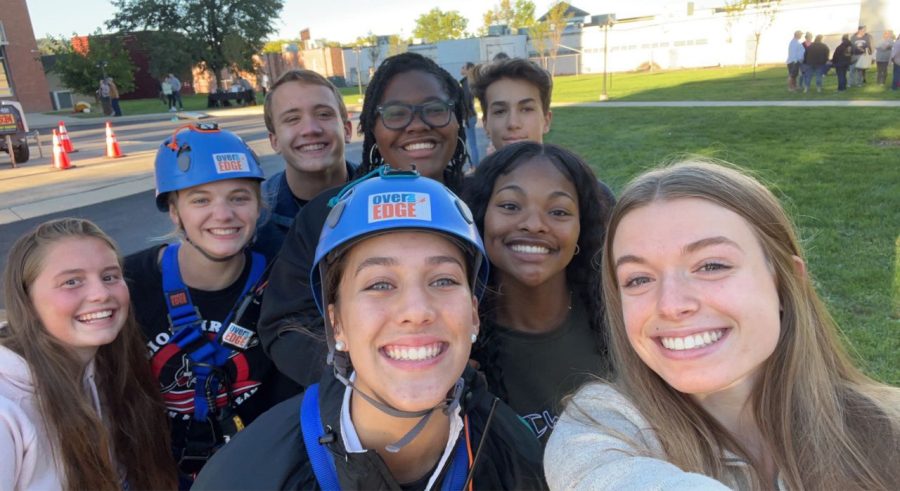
x,y
198,154
394,201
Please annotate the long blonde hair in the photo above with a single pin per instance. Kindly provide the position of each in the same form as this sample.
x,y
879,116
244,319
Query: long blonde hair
x,y
137,428
827,425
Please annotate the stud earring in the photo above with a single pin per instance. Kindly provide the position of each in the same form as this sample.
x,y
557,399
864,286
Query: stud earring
x,y
339,346
474,337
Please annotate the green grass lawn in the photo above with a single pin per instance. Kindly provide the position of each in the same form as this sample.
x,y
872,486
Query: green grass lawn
x,y
700,84
837,170
704,84
196,102
708,84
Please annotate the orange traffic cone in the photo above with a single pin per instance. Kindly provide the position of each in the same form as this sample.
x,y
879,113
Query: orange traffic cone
x,y
60,158
112,144
64,138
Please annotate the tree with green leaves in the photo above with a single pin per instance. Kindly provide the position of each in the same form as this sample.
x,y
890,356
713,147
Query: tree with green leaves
x,y
760,13
437,25
222,33
276,45
81,70
166,53
551,28
538,33
373,51
516,15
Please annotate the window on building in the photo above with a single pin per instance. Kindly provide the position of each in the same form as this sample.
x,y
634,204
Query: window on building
x,y
5,88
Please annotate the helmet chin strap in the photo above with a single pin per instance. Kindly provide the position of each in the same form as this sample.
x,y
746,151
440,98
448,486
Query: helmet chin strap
x,y
448,405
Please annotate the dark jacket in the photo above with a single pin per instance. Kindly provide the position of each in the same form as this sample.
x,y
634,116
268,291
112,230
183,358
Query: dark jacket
x,y
468,99
290,327
270,454
289,308
842,54
817,54
279,213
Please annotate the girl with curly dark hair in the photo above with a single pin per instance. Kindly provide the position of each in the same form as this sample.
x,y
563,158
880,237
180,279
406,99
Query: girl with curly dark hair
x,y
543,215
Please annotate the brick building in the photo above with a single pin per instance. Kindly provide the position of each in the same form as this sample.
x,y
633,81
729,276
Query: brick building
x,y
21,73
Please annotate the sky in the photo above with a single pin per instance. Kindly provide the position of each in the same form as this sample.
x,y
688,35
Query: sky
x,y
342,20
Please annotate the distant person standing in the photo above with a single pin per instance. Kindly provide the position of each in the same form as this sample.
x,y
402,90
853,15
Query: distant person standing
x,y
805,72
114,97
862,56
176,92
103,95
166,91
816,59
841,61
883,55
471,115
895,58
794,60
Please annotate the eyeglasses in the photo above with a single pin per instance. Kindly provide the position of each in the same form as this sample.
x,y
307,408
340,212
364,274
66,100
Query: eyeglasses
x,y
435,114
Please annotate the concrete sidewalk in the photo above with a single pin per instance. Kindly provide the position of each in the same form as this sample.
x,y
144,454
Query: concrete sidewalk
x,y
40,121
36,189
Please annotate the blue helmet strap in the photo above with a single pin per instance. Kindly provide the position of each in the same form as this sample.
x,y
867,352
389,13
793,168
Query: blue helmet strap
x,y
207,356
316,436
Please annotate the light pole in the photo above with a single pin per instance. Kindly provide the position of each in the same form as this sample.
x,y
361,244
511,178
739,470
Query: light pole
x,y
605,21
603,94
358,52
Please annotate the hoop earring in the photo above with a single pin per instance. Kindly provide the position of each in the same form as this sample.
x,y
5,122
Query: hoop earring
x,y
577,250
372,160
465,151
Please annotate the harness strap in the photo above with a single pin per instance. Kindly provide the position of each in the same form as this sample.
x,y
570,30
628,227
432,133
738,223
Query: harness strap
x,y
322,462
312,430
205,355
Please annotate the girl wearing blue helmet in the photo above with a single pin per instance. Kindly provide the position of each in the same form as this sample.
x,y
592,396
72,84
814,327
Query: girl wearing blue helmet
x,y
197,299
397,274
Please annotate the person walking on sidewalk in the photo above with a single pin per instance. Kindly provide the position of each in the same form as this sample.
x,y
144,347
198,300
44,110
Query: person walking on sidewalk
x,y
794,60
471,115
176,92
103,95
114,97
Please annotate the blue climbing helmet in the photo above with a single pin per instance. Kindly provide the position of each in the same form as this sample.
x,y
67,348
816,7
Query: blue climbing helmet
x,y
394,200
198,154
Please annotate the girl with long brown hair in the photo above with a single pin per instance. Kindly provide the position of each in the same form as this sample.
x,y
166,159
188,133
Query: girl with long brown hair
x,y
78,406
729,367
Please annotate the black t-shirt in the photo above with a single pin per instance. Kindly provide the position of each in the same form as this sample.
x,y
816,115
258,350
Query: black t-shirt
x,y
254,382
538,370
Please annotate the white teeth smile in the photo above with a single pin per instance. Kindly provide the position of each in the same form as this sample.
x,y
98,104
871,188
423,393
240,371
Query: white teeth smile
x,y
223,231
412,147
529,249
418,353
695,341
312,147
93,316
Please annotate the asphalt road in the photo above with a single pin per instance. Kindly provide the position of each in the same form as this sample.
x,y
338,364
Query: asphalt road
x,y
133,221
